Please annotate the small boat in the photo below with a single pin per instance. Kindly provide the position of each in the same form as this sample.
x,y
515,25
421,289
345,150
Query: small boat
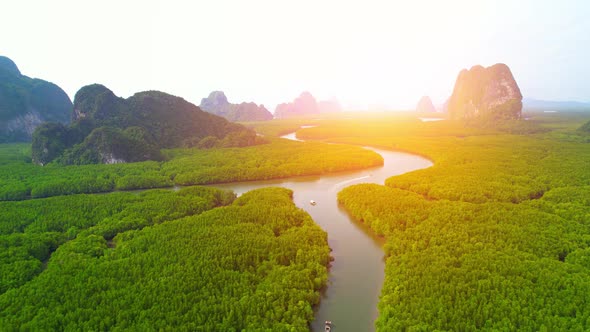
x,y
312,202
328,326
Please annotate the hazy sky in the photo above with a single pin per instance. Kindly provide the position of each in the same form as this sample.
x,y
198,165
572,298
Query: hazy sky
x,y
365,52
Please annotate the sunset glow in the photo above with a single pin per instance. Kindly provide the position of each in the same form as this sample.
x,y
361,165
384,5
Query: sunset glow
x,y
296,165
364,53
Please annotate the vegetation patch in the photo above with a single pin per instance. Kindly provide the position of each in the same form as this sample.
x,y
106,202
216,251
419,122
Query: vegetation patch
x,y
494,236
257,264
20,179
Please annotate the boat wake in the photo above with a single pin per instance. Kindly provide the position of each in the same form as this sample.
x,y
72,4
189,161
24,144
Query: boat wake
x,y
339,184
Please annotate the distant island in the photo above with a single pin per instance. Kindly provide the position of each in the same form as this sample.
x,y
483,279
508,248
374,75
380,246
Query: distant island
x,y
306,104
27,102
109,129
218,104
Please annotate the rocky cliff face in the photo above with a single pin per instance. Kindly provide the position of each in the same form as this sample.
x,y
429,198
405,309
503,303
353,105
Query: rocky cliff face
x,y
486,93
23,125
425,105
444,107
25,103
218,104
305,104
216,101
250,112
302,105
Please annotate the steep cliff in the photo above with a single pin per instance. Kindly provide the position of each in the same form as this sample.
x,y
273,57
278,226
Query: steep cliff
x,y
26,102
425,105
486,94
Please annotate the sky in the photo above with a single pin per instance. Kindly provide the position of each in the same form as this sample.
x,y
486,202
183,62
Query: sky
x,y
367,54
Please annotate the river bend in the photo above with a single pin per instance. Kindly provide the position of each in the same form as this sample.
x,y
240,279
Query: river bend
x,y
357,272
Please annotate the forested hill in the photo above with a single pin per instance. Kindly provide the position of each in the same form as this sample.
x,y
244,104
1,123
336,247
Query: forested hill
x,y
27,102
110,129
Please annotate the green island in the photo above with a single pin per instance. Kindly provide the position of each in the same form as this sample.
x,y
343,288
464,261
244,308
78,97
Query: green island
x,y
494,236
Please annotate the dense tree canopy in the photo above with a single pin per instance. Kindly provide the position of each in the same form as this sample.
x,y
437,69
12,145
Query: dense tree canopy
x,y
494,236
256,264
31,230
19,179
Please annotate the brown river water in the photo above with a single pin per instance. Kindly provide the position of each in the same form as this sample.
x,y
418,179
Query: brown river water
x,y
357,272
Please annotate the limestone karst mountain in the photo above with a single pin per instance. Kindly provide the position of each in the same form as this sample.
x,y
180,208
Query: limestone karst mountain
x,y
218,104
486,93
27,102
306,104
425,105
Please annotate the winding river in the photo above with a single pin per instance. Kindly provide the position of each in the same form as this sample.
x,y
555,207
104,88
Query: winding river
x,y
357,272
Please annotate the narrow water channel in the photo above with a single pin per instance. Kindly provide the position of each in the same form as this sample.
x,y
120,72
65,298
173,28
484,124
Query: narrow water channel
x,y
357,272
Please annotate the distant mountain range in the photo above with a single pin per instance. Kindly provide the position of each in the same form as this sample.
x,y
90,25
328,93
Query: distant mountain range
x,y
304,105
218,104
532,104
